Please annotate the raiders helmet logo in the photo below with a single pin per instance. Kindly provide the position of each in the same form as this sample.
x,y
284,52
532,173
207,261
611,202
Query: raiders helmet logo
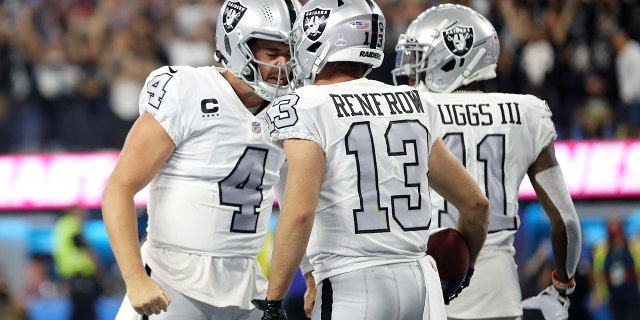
x,y
232,15
314,23
459,40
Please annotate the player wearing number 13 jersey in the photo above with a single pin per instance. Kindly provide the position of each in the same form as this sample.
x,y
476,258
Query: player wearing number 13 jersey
x,y
201,144
361,157
367,130
499,138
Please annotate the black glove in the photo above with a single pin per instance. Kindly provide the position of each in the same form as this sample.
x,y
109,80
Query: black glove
x,y
465,283
273,309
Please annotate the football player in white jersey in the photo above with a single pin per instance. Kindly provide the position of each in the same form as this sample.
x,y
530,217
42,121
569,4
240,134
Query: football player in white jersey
x,y
499,138
202,145
360,155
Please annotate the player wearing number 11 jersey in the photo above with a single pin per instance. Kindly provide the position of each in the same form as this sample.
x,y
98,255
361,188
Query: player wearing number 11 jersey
x,y
499,138
202,145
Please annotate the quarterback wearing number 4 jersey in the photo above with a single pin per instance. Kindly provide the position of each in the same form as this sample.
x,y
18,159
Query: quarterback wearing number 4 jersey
x,y
201,144
210,202
212,195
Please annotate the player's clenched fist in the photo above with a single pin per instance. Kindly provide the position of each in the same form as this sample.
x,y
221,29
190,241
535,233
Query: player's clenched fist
x,y
146,296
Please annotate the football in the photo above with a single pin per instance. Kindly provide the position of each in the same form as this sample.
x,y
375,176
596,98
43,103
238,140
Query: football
x,y
449,249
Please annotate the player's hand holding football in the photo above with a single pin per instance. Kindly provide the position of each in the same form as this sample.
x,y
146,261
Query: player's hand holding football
x,y
146,296
273,309
465,283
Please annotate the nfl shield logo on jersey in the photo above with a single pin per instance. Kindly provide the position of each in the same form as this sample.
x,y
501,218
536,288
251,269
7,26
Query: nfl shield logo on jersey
x,y
255,127
314,22
458,40
232,15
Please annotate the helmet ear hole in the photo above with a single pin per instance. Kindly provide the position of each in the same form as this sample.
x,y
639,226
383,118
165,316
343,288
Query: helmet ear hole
x,y
314,47
449,65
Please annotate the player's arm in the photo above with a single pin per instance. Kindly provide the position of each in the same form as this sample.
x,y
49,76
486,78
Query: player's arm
x,y
145,149
548,182
449,178
306,163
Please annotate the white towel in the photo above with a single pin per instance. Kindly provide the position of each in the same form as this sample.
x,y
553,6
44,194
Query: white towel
x,y
434,306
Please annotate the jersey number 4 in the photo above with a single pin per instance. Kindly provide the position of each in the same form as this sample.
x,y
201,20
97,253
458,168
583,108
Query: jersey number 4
x,y
242,189
155,89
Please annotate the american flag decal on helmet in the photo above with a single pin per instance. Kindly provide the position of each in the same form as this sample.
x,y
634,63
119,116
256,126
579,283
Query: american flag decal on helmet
x,y
362,25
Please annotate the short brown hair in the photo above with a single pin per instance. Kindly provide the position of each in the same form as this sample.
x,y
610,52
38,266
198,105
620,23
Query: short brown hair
x,y
355,69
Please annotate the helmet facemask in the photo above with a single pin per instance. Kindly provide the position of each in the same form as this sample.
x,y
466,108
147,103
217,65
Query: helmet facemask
x,y
298,76
411,62
249,70
252,75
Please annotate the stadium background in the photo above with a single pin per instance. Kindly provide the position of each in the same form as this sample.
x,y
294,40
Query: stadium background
x,y
71,71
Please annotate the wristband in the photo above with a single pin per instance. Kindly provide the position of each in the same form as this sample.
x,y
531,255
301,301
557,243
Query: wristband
x,y
565,288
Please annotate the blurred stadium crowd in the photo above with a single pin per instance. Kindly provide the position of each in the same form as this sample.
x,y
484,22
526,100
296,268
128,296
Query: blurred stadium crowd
x,y
71,70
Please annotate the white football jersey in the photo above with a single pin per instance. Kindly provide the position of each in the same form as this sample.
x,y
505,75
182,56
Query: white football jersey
x,y
497,137
215,193
374,202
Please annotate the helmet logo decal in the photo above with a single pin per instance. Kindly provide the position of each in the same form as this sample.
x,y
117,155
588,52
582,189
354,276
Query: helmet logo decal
x,y
232,15
458,40
314,23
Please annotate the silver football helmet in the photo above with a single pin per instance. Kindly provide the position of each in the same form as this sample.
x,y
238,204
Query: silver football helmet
x,y
240,21
446,47
335,30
